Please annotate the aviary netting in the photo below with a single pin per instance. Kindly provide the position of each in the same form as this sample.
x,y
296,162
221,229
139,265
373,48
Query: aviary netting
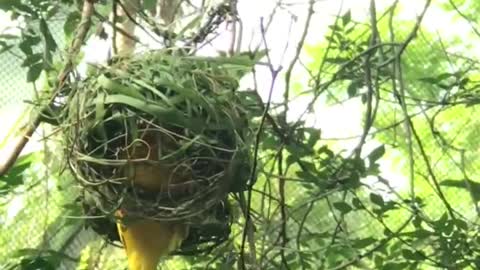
x,y
320,201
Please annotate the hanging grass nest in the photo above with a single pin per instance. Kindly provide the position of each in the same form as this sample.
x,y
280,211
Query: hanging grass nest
x,y
164,136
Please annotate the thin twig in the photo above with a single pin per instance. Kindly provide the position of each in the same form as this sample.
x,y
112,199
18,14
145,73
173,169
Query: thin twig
x,y
369,114
274,74
464,16
410,37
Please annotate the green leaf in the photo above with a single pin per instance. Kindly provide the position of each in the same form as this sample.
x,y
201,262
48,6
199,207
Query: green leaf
x,y
150,4
270,142
71,23
8,37
364,98
36,263
34,72
335,27
52,11
419,234
26,9
26,45
377,199
14,177
376,154
32,59
461,224
242,59
290,160
378,260
343,207
154,90
357,203
395,266
39,259
337,60
417,222
7,4
469,185
314,136
363,243
168,115
139,104
441,221
50,44
437,79
115,87
412,255
353,87
346,18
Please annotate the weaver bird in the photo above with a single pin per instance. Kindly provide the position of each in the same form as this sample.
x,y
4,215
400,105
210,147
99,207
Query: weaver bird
x,y
146,240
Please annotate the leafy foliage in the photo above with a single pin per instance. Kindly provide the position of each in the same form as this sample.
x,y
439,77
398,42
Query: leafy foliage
x,y
15,176
314,204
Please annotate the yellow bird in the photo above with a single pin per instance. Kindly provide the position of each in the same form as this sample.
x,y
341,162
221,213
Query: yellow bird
x,y
146,241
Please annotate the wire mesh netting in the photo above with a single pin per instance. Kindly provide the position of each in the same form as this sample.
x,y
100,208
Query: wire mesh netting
x,y
15,89
38,214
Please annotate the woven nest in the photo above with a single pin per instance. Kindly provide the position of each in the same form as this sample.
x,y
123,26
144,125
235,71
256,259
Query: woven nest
x,y
161,117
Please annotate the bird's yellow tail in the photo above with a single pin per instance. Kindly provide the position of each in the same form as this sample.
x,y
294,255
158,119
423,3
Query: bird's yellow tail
x,y
146,241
